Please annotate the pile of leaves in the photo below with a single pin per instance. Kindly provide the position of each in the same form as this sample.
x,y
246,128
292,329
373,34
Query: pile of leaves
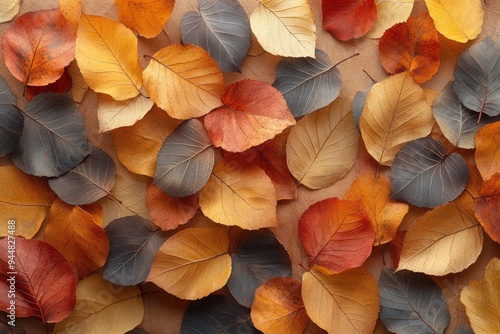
x,y
186,200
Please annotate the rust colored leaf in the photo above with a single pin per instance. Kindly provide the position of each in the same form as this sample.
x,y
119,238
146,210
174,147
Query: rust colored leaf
x,y
61,85
37,47
487,153
145,17
348,19
487,207
411,46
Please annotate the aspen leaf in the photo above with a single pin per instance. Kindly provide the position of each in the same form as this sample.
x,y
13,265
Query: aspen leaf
x,y
278,307
411,46
184,81
385,214
395,112
458,20
61,85
285,27
9,9
348,19
192,263
114,114
481,300
487,154
389,12
11,120
147,18
239,193
102,307
37,47
487,205
106,52
253,112
448,247
323,146
336,234
343,303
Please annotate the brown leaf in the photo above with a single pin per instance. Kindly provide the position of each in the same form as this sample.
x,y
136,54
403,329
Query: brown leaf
x,y
487,154
487,207
61,85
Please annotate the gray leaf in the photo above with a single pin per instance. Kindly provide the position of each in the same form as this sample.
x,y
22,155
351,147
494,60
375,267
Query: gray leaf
x,y
221,28
11,121
358,103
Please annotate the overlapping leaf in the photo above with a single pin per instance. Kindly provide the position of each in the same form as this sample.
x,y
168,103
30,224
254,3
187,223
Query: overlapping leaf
x,y
9,9
308,84
348,19
10,119
222,28
253,112
114,114
323,146
145,17
388,14
487,154
486,207
61,85
72,10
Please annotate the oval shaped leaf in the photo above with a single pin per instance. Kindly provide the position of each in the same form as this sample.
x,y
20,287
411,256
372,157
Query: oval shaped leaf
x,y
487,154
222,28
423,175
388,14
486,207
146,18
89,181
185,160
308,84
113,114
348,19
53,139
10,118
411,303
133,244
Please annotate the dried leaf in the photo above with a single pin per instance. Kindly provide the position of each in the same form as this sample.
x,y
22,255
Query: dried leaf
x,y
348,19
389,12
487,205
114,114
72,10
487,154
61,85
144,17
9,9
10,118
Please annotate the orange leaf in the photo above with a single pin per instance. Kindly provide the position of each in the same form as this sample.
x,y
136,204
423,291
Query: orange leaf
x,y
37,47
336,234
145,17
253,112
72,10
487,153
348,19
411,46
61,85
487,207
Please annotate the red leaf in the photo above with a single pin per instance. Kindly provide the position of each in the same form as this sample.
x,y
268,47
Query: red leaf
x,y
61,85
348,19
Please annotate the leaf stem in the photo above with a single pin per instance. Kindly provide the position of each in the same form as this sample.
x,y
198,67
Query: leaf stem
x,y
340,62
369,76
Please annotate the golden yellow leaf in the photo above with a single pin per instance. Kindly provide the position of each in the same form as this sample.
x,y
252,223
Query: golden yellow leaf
x,y
343,303
184,81
147,18
323,146
102,307
239,193
445,240
395,113
385,214
106,52
9,9
113,114
285,27
482,300
192,263
71,10
458,20
390,12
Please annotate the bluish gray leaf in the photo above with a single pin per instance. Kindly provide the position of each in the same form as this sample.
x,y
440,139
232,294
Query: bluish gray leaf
x,y
477,77
358,102
53,140
89,181
411,303
423,175
221,28
133,245
260,257
11,121
185,160
217,314
308,84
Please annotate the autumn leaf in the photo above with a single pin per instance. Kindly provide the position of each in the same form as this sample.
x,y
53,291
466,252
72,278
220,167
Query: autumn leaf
x,y
239,193
335,302
389,13
71,10
348,19
114,114
285,27
44,283
278,307
106,52
411,46
336,234
75,233
78,85
184,81
192,263
145,18
395,112
481,300
37,47
487,154
11,120
9,9
385,214
486,207
102,306
61,85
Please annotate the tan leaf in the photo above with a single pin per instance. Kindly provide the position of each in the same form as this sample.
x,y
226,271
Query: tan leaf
x,y
389,12
78,85
114,114
145,17
9,9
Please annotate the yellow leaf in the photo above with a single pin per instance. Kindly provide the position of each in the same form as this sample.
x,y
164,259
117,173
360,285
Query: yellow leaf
x,y
445,240
482,300
458,20
106,52
102,307
9,9
285,27
239,193
192,263
184,81
114,114
323,146
389,13
343,303
71,10
147,18
395,113
385,214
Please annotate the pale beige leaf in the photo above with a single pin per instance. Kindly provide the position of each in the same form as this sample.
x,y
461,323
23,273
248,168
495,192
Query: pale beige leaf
x,y
78,85
390,12
114,114
9,9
